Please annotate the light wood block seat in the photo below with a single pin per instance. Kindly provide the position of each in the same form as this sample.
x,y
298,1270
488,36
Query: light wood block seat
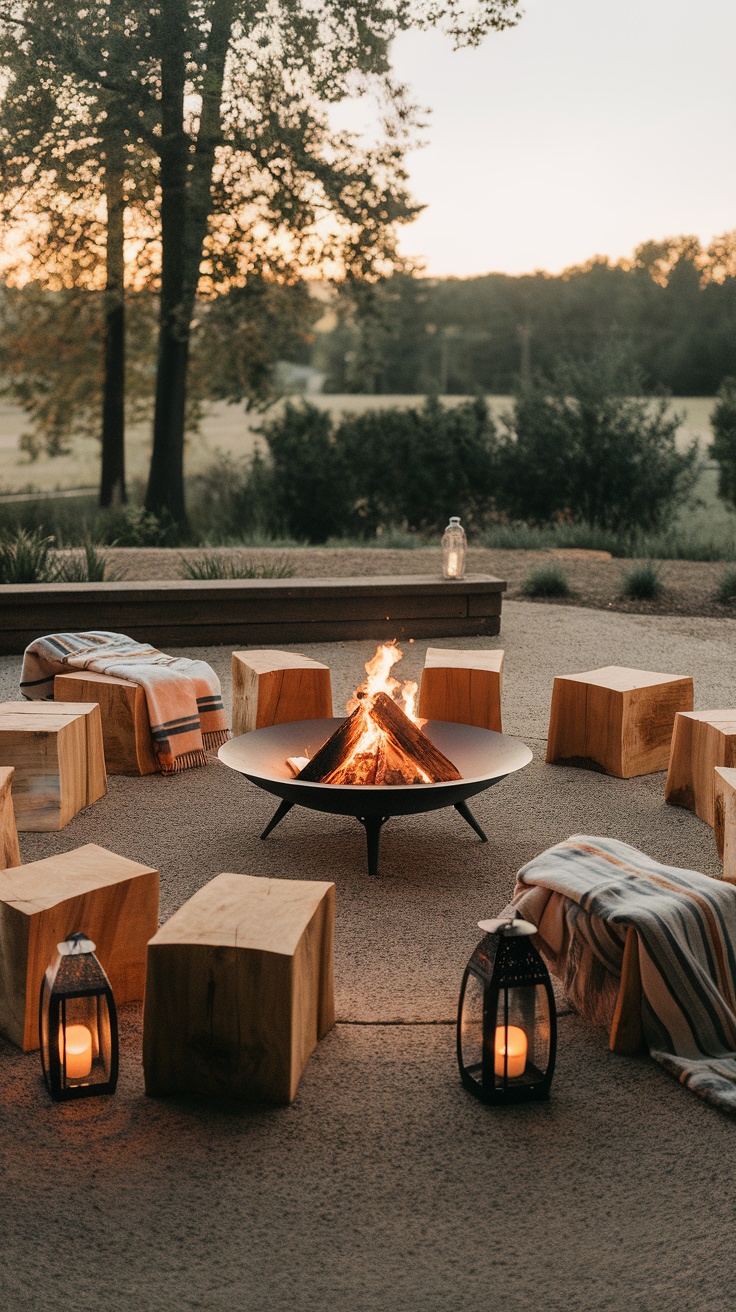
x,y
110,898
240,989
126,728
277,687
724,819
9,850
463,687
59,760
701,741
617,719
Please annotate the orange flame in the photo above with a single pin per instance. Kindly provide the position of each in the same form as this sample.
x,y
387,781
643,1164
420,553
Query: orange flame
x,y
378,669
373,760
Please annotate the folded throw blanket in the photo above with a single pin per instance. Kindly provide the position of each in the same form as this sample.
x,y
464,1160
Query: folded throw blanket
x,y
184,697
585,893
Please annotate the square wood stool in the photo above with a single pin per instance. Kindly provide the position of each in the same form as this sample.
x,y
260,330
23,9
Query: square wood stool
x,y
276,687
462,686
240,989
111,899
616,718
9,850
126,728
59,760
724,819
701,741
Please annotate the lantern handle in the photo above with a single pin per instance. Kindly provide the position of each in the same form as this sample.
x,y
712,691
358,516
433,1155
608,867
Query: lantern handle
x,y
508,926
75,945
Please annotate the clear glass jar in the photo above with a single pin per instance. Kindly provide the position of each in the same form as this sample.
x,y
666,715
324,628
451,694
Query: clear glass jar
x,y
454,547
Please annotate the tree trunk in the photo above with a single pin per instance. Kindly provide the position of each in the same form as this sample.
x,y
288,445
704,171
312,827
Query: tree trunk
x,y
185,209
112,481
165,492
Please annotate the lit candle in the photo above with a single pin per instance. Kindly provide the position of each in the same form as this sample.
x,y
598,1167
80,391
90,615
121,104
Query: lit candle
x,y
517,1046
452,565
78,1044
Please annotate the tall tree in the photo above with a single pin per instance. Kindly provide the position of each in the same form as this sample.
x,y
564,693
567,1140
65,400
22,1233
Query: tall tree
x,y
236,98
67,153
250,159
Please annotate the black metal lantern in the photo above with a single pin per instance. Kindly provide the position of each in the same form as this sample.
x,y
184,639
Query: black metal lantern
x,y
506,1022
78,1023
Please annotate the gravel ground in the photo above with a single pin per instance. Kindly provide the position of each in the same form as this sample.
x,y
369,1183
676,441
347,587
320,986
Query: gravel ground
x,y
595,578
384,1187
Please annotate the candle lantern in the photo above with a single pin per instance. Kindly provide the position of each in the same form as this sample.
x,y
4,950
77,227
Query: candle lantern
x,y
507,1023
78,1023
454,547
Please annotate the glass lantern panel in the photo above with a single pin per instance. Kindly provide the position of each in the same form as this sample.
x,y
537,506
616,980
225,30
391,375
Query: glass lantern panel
x,y
471,1027
84,1041
45,1025
523,1031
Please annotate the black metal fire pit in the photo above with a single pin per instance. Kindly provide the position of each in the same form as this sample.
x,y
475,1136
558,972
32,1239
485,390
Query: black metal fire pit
x,y
482,757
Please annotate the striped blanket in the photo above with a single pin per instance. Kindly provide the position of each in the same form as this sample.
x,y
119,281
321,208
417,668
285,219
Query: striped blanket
x,y
184,698
585,893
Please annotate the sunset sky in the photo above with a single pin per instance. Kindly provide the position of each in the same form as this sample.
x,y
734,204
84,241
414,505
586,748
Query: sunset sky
x,y
592,126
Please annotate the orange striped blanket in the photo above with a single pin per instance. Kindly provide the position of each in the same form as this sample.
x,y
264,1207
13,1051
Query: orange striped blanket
x,y
184,697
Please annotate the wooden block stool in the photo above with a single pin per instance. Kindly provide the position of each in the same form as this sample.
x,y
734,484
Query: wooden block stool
x,y
126,728
616,718
113,900
701,741
276,687
9,850
724,819
462,686
240,989
58,757
627,1032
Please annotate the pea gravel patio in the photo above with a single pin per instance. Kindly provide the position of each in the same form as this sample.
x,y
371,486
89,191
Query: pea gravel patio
x,y
384,1187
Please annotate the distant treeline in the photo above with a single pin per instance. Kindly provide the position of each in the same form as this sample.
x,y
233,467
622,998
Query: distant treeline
x,y
672,307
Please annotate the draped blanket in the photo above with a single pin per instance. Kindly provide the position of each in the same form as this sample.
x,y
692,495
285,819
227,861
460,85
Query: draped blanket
x,y
184,697
585,893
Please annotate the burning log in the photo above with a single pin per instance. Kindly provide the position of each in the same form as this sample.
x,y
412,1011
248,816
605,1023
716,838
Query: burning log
x,y
379,744
342,743
409,740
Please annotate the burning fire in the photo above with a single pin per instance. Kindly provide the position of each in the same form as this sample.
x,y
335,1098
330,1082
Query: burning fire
x,y
381,741
373,754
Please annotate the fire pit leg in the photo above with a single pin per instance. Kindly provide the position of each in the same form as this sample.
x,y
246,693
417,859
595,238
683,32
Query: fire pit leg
x,y
464,810
277,817
373,825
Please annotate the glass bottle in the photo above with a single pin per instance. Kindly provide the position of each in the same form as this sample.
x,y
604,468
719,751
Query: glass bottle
x,y
454,547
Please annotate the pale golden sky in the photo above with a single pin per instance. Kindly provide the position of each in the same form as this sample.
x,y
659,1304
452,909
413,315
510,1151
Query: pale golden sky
x,y
593,126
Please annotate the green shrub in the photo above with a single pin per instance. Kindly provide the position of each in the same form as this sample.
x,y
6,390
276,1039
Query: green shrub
x,y
726,589
405,468
211,566
642,583
586,446
27,557
546,581
133,526
723,447
88,565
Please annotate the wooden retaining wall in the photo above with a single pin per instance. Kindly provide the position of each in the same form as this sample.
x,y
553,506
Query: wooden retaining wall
x,y
191,613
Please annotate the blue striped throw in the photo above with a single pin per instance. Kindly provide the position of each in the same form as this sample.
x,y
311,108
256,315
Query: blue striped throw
x,y
585,893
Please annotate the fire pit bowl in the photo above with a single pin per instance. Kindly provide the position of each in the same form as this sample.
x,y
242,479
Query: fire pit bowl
x,y
482,757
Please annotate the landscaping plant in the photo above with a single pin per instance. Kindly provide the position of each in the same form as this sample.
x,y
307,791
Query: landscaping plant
x,y
26,556
642,583
211,566
546,581
726,590
723,447
587,446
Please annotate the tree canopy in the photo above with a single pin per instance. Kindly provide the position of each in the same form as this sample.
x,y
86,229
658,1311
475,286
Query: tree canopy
x,y
230,105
